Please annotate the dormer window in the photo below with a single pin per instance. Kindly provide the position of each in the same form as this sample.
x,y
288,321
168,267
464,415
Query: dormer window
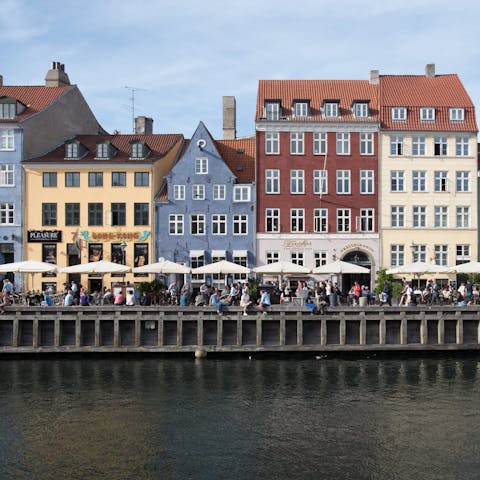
x,y
330,109
137,150
427,114
360,109
71,150
103,150
272,110
399,114
457,114
300,109
8,108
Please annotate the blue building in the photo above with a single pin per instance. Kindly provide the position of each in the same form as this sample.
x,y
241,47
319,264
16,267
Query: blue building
x,y
205,211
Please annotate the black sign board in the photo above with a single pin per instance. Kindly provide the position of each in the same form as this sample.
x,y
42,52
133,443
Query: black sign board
x,y
45,236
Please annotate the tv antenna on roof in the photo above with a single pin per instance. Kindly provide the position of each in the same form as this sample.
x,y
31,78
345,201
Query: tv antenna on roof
x,y
132,99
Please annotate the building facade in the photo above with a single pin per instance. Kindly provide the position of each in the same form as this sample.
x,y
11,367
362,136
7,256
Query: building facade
x,y
317,172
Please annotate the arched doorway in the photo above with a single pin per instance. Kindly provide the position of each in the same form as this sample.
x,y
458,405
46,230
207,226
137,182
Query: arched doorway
x,y
356,257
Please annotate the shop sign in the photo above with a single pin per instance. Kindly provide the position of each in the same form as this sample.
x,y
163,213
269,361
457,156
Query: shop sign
x,y
45,236
297,244
113,236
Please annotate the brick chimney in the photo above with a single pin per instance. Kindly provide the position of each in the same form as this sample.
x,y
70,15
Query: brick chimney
x,y
1,81
374,77
430,70
56,76
229,118
144,125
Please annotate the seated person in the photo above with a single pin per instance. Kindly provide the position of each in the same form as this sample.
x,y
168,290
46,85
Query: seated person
x,y
285,296
264,301
245,302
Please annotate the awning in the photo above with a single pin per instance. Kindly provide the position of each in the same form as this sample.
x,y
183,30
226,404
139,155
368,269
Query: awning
x,y
240,253
218,253
196,253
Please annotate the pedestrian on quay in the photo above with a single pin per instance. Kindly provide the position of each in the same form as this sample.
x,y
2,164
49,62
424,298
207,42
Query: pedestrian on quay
x,y
264,301
68,299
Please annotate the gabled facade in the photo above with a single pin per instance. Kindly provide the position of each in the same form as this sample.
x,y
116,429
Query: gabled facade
x,y
33,120
92,199
206,209
317,172
428,164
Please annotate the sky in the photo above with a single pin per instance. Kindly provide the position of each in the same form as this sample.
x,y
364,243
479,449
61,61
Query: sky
x,y
182,56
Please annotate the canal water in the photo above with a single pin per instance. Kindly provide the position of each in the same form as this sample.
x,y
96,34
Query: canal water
x,y
239,418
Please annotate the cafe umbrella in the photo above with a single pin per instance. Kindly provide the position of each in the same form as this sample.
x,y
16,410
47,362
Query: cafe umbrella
x,y
28,266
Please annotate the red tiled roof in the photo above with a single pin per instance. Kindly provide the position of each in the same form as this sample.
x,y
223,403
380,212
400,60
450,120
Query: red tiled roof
x,y
239,155
158,144
415,91
35,98
317,91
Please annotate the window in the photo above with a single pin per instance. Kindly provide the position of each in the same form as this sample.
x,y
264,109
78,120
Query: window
x,y
397,216
457,114
49,179
366,144
240,259
397,255
137,150
272,111
427,114
72,214
367,220
141,214
296,143
49,214
440,146
360,110
95,179
7,211
219,224
463,217
320,220
296,257
396,145
419,253
272,220
297,216
240,224
72,150
419,181
197,224
72,179
175,224
195,262
461,146
462,181
418,145
7,139
272,181
343,144
399,114
198,192
141,179
179,192
119,179
441,217
397,181
95,214
320,259
440,181
366,182
300,109
343,182
419,216
219,192
320,182
7,175
319,143
201,166
102,150
463,254
272,143
241,193
8,109
343,220
272,257
330,109
441,254
297,183
119,214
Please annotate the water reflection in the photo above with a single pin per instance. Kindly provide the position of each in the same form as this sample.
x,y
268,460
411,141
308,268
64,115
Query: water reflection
x,y
176,418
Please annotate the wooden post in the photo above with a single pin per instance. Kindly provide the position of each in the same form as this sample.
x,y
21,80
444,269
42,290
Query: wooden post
x,y
299,332
323,331
382,331
342,332
97,332
200,332
15,333
78,332
35,333
116,332
403,331
239,331
179,332
283,330
423,331
219,332
363,331
138,332
160,333
459,332
259,331
56,333
441,331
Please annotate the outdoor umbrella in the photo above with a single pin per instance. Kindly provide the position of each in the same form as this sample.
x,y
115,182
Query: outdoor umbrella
x,y
339,267
164,266
28,266
101,266
470,267
417,269
279,268
223,267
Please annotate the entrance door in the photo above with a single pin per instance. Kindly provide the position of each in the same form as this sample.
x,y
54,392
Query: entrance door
x,y
73,258
357,258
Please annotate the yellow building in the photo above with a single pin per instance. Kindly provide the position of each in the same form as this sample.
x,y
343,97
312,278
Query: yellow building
x,y
428,170
92,199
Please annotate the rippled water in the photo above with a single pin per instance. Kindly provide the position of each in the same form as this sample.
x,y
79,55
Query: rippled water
x,y
281,418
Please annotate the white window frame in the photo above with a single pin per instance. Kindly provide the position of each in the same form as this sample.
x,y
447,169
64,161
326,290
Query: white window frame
x,y
331,110
367,182
219,224
241,193
343,143
441,255
175,224
297,182
240,224
320,182
462,253
397,255
297,220
320,143
419,181
137,150
102,150
297,143
272,143
272,181
320,220
197,220
419,145
440,181
440,213
427,114
297,257
272,256
397,216
360,110
343,182
344,220
419,253
366,144
198,191
419,216
7,140
462,145
300,109
71,150
320,258
179,192
396,145
456,114
272,111
366,220
440,146
219,191
462,181
399,114
462,217
7,175
272,217
397,181
201,166
7,213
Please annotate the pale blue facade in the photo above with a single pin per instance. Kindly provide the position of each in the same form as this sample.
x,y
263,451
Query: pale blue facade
x,y
207,215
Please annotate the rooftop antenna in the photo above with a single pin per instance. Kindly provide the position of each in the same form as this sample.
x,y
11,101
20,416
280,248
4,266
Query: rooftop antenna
x,y
132,99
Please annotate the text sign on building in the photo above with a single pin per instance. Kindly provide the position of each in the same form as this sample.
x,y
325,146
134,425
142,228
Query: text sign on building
x,y
45,236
